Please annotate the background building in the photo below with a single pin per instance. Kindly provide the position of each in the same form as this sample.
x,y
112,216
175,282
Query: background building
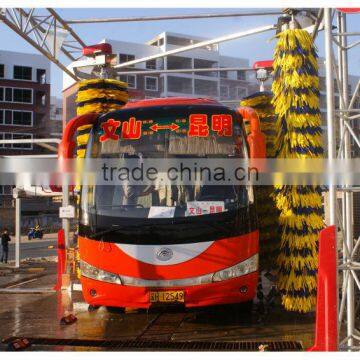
x,y
228,87
25,114
24,99
55,124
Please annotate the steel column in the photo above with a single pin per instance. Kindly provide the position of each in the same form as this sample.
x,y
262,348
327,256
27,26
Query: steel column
x,y
17,231
330,107
349,265
65,203
350,303
345,276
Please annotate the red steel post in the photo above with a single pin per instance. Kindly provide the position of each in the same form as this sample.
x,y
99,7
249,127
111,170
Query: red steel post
x,y
61,253
326,327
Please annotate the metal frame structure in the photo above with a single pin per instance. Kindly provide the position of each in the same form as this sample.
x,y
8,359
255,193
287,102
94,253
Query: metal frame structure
x,y
343,123
37,28
47,32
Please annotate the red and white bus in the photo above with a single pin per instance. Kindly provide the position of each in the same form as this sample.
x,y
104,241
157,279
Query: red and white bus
x,y
131,258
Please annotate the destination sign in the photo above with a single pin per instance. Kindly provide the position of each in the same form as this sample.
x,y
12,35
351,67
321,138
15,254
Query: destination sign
x,y
197,125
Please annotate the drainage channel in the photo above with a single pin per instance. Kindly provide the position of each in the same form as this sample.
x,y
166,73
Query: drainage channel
x,y
162,327
134,345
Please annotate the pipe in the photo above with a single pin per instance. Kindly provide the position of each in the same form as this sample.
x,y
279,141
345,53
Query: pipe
x,y
192,70
30,141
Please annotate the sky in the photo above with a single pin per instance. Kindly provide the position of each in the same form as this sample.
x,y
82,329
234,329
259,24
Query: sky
x,y
254,48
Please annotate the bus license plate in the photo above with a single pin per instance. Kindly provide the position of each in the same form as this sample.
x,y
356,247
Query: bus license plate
x,y
167,296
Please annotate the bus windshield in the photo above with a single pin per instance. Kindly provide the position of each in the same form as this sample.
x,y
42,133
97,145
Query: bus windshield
x,y
204,132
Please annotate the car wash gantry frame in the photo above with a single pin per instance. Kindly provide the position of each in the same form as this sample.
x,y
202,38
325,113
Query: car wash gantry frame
x,y
55,38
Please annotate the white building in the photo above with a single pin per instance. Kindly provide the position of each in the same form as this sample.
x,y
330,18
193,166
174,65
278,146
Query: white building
x,y
24,67
228,86
55,108
55,123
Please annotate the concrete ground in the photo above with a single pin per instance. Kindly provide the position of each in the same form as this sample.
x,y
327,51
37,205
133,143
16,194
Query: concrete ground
x,y
32,249
36,249
29,307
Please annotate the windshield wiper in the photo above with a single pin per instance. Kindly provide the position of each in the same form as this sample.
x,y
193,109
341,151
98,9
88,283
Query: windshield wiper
x,y
115,228
104,232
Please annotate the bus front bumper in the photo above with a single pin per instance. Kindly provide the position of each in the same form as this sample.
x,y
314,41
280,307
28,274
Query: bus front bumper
x,y
236,290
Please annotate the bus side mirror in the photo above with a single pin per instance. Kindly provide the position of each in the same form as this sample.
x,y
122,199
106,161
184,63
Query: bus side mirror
x,y
68,145
256,139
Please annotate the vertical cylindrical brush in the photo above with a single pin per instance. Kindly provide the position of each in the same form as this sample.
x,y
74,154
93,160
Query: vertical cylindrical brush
x,y
97,96
266,209
296,103
101,96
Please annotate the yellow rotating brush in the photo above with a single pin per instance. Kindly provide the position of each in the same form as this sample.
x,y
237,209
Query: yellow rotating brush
x,y
296,104
97,96
101,96
266,209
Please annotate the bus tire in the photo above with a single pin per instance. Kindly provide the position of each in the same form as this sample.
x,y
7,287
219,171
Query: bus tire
x,y
243,309
246,307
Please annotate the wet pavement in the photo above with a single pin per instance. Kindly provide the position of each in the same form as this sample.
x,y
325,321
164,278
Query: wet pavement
x,y
29,270
34,309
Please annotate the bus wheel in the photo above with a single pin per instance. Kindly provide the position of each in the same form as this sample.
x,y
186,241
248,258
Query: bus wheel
x,y
246,307
92,308
115,309
241,310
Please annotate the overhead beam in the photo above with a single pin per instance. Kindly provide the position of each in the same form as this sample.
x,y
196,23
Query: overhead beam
x,y
31,141
66,26
49,147
170,17
319,19
184,71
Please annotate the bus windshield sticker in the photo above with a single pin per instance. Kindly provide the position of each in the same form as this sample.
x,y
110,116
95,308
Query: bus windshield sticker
x,y
197,208
161,212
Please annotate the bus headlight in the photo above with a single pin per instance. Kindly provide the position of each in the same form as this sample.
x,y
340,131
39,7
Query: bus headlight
x,y
245,267
92,272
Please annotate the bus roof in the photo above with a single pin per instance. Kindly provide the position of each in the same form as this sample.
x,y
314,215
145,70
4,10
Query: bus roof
x,y
171,101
